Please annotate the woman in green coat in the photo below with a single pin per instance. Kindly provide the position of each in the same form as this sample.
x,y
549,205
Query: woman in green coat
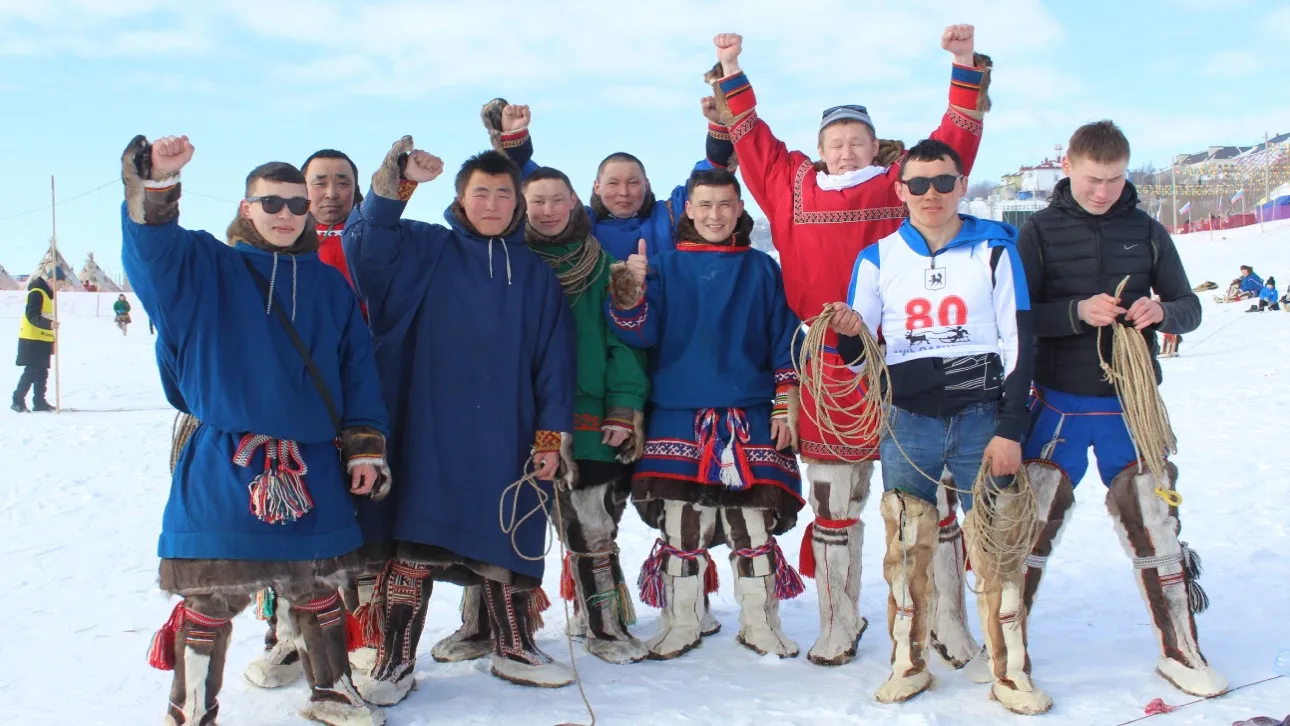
x,y
122,309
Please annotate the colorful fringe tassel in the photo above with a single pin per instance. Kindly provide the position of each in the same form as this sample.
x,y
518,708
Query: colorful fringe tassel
x,y
278,494
788,584
538,604
651,584
161,651
568,588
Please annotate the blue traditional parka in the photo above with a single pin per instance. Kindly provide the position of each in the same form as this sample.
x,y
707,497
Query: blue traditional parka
x,y
475,347
721,330
261,478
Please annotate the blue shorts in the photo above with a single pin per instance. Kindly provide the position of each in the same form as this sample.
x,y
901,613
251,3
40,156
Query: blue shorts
x,y
933,444
1063,426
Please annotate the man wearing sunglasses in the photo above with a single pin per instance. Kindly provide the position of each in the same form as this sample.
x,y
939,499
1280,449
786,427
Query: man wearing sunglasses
x,y
258,497
948,294
332,178
822,214
1077,252
475,347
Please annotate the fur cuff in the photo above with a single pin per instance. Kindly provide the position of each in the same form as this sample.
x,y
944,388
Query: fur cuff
x,y
794,413
889,152
362,445
491,115
566,476
623,289
735,85
986,65
633,448
388,180
620,416
148,200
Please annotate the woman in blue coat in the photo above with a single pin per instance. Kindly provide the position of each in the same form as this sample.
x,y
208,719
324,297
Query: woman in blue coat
x,y
259,497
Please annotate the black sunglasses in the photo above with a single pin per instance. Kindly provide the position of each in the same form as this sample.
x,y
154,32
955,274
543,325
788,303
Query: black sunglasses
x,y
273,204
919,185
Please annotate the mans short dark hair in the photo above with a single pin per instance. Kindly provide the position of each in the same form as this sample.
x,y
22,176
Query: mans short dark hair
x,y
1101,142
334,154
619,156
546,173
493,163
274,171
713,178
932,150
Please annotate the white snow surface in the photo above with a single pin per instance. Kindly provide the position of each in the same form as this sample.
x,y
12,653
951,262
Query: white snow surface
x,y
82,495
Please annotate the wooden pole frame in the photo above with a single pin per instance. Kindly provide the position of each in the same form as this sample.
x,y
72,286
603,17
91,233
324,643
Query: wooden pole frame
x,y
53,249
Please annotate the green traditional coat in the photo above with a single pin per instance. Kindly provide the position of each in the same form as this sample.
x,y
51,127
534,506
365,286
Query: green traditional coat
x,y
612,382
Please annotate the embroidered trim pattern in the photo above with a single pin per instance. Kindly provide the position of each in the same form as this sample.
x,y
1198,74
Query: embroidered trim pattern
x,y
843,216
632,321
968,124
515,139
742,129
786,377
546,441
690,451
586,422
817,450
406,188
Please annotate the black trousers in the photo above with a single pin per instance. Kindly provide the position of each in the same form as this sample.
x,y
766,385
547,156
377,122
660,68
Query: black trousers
x,y
32,377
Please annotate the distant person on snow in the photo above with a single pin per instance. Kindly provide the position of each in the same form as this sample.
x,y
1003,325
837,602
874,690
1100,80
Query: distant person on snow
x,y
1076,253
1246,286
122,309
259,496
35,346
1267,297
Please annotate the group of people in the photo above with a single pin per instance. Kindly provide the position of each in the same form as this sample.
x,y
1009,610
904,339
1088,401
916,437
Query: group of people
x,y
557,360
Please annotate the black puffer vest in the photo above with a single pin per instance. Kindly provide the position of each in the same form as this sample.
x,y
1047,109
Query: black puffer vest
x,y
1082,255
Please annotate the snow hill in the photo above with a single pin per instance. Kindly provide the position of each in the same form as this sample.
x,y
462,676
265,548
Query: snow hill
x,y
82,496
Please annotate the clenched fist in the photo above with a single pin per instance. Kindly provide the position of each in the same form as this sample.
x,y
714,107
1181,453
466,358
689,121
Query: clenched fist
x,y
515,118
422,167
710,110
960,40
729,46
169,155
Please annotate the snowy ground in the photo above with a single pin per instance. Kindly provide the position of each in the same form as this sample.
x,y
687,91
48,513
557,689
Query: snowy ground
x,y
82,495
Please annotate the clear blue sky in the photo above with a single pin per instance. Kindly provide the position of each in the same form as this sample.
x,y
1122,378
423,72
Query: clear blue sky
x,y
251,81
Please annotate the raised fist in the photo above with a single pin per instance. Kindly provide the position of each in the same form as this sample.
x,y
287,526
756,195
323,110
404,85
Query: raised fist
x,y
710,110
959,40
638,264
169,155
729,46
422,167
515,118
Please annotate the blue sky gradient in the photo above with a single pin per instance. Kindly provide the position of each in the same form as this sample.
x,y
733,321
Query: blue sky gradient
x,y
252,81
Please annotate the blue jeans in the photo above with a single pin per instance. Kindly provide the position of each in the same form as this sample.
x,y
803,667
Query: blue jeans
x,y
933,444
1063,426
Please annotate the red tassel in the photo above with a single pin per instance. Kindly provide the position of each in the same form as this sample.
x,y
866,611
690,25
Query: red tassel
x,y
369,627
568,589
541,602
161,653
710,582
806,557
353,633
650,582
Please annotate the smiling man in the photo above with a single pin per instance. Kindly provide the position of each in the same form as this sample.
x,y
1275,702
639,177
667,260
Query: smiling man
x,y
718,451
475,346
948,294
822,214
258,495
1076,253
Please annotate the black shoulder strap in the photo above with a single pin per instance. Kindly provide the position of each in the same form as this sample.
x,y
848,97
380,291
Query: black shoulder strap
x,y
314,373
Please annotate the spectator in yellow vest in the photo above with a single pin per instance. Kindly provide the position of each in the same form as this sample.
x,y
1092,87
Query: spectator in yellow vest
x,y
35,346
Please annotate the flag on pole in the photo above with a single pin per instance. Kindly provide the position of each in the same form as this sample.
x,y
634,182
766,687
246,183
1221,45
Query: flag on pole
x,y
1240,194
1185,208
